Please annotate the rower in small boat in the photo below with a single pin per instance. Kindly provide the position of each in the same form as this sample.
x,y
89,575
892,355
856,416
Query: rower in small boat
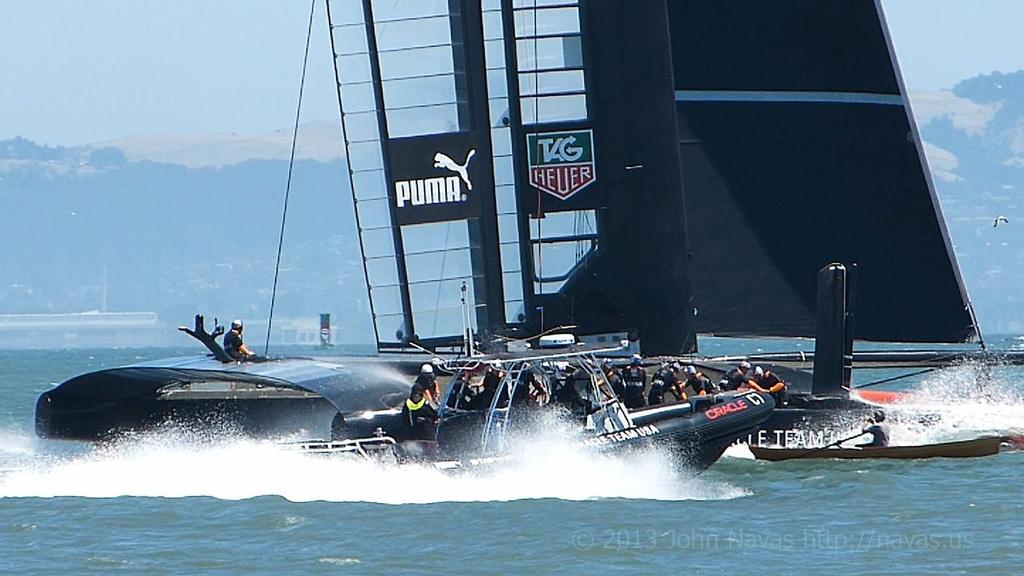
x,y
879,431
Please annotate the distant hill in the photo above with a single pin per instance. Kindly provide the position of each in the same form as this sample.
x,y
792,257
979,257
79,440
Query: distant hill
x,y
317,141
975,137
175,240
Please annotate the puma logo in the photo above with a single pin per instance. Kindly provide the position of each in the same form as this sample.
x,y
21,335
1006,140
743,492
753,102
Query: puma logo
x,y
444,161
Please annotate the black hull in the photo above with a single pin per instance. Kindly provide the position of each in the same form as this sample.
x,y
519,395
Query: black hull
x,y
294,396
696,434
256,417
700,438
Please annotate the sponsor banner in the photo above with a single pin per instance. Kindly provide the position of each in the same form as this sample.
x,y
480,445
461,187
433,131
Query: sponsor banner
x,y
561,163
436,178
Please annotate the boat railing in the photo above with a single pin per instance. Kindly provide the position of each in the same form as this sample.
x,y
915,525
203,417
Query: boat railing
x,y
365,447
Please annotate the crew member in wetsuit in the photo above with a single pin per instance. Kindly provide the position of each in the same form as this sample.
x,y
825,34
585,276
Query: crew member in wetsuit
x,y
568,396
668,377
531,390
419,416
482,399
656,394
233,343
768,382
426,383
879,431
696,382
634,378
614,377
736,377
664,379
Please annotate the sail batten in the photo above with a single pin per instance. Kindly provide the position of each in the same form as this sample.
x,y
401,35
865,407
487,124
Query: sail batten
x,y
789,96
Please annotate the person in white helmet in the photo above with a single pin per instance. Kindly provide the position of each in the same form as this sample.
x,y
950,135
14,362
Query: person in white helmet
x,y
426,384
768,382
634,377
233,343
736,377
696,382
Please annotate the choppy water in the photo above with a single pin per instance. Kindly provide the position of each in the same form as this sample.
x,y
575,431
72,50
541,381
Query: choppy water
x,y
181,505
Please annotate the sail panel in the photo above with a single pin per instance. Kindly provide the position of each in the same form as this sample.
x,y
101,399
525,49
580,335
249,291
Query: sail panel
x,y
411,135
798,150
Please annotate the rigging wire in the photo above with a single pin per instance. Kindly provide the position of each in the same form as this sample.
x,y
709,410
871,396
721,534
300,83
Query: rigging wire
x,y
288,184
440,276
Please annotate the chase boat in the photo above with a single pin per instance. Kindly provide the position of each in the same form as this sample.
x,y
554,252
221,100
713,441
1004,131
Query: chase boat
x,y
529,391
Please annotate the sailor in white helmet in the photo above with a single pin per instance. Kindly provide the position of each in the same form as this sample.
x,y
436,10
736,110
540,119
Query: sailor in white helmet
x,y
736,377
418,411
233,343
426,384
634,379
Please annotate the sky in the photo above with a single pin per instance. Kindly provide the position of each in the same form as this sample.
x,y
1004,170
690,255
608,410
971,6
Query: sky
x,y
75,72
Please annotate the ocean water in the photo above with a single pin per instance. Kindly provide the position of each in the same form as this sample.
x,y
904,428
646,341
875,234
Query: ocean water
x,y
185,504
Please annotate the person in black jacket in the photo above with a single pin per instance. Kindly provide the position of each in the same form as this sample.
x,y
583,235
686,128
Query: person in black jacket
x,y
492,379
419,416
768,382
233,343
696,382
736,378
634,379
426,384
666,378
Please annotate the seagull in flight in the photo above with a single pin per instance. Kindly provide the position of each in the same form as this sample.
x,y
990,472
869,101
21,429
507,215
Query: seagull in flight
x,y
999,219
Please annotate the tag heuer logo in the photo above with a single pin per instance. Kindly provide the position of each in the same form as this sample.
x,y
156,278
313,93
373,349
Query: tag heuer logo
x,y
561,163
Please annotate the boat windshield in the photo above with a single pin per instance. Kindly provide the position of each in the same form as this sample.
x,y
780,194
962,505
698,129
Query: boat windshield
x,y
499,390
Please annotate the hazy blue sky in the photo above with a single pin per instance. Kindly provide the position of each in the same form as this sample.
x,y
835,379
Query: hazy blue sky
x,y
73,72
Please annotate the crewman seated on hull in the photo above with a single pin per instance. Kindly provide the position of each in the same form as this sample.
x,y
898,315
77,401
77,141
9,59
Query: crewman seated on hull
x,y
234,345
735,378
695,384
768,382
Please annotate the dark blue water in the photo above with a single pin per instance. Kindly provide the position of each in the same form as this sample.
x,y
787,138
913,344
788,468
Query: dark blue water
x,y
178,505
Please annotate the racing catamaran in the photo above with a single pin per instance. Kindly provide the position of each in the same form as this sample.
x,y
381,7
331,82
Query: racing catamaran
x,y
639,171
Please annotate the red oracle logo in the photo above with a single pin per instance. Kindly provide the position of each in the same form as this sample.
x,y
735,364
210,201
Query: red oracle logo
x,y
716,412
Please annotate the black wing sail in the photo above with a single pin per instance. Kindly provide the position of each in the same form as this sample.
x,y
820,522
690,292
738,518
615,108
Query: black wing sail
x,y
798,149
